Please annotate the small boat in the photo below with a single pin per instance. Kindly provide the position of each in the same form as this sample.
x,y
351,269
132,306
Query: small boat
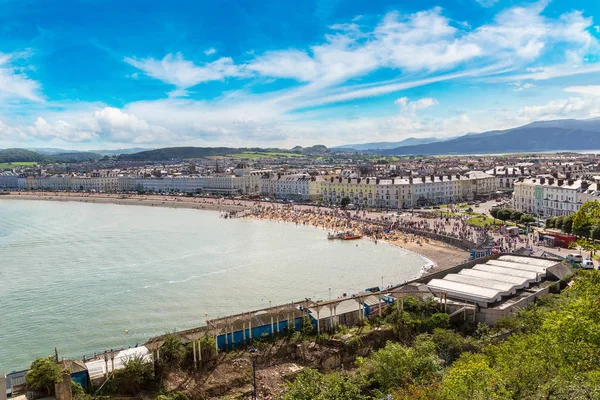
x,y
351,237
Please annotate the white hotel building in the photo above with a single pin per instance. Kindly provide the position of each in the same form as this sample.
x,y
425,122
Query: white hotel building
x,y
550,196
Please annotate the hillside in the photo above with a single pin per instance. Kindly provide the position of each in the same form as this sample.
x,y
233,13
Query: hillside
x,y
179,153
22,155
538,136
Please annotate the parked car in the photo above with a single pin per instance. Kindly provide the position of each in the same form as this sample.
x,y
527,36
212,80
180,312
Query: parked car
x,y
587,264
574,258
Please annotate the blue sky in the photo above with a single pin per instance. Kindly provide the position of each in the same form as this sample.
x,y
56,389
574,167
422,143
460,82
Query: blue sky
x,y
109,74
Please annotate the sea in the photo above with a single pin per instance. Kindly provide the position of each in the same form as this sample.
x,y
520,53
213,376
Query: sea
x,y
79,278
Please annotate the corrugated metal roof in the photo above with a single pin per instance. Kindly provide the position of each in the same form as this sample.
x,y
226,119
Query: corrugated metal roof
x,y
506,271
530,261
519,266
463,291
518,281
504,288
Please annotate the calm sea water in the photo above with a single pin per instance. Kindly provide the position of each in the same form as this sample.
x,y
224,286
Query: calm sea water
x,y
77,276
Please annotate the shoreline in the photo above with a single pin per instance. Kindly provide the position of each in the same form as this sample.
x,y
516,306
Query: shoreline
x,y
438,255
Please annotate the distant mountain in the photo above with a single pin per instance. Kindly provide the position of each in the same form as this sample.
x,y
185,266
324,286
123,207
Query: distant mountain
x,y
386,145
537,136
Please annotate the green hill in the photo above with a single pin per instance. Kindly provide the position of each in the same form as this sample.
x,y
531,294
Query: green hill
x,y
22,155
179,153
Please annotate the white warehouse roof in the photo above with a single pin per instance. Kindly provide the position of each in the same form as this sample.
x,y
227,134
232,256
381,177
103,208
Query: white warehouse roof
x,y
530,261
518,281
504,288
506,271
518,266
464,291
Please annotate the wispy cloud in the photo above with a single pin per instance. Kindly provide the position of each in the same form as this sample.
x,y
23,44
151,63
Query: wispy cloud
x,y
15,84
174,69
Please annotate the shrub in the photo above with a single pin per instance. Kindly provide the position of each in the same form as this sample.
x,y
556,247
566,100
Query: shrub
x,y
138,375
172,353
42,375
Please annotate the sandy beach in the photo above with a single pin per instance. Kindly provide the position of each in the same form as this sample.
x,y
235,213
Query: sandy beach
x,y
442,255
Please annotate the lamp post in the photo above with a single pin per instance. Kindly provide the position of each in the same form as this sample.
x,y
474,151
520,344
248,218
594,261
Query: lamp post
x,y
253,355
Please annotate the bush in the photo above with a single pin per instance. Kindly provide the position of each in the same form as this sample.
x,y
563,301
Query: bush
x,y
173,396
396,365
138,375
310,384
450,345
172,353
438,320
42,375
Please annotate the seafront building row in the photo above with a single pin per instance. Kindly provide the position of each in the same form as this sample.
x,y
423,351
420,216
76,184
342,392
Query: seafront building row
x,y
549,196
365,192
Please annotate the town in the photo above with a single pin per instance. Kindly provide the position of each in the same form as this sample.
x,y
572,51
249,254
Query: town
x,y
542,185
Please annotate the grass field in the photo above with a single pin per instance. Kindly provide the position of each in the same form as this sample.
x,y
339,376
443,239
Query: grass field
x,y
481,220
16,164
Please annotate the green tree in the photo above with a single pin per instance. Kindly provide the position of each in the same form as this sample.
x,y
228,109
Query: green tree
x,y
558,224
516,215
472,377
550,222
504,214
42,375
595,232
344,202
494,212
527,219
584,230
567,226
588,214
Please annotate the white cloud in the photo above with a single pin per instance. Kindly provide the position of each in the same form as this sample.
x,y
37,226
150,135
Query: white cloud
x,y
210,52
519,87
174,69
588,90
413,106
487,3
15,84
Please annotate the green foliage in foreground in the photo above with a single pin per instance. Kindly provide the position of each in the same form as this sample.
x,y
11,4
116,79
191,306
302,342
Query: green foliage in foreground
x,y
42,375
552,353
